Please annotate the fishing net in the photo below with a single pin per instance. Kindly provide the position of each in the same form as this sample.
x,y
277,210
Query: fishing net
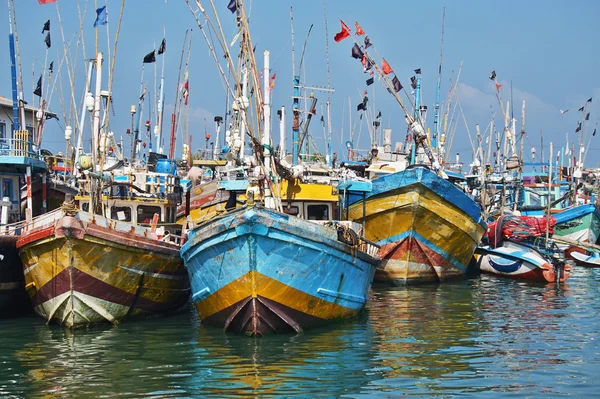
x,y
518,228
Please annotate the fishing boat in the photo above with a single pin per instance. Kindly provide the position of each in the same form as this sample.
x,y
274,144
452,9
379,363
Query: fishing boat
x,y
520,262
428,228
257,271
83,268
586,260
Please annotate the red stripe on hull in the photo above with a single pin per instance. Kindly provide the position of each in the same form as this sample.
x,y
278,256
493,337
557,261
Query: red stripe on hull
x,y
88,285
411,260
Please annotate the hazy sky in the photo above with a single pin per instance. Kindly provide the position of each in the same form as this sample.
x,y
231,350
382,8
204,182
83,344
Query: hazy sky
x,y
549,50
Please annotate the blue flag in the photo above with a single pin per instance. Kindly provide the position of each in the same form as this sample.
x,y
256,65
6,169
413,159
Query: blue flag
x,y
100,16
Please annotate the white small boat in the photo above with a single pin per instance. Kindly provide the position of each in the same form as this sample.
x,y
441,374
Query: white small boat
x,y
519,261
586,260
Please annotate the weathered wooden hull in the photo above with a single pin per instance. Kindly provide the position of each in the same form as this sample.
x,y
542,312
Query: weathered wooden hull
x,y
581,223
427,228
257,271
13,298
79,273
519,263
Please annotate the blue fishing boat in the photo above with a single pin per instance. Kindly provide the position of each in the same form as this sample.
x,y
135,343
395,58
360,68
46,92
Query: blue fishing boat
x,y
258,271
427,227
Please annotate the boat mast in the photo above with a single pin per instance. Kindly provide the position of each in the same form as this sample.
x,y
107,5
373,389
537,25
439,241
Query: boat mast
x,y
436,118
13,72
329,156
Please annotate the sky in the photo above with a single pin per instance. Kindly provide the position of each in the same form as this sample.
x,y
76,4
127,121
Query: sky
x,y
548,51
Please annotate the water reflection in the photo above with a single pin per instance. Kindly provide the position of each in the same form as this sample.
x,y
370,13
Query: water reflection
x,y
284,365
485,336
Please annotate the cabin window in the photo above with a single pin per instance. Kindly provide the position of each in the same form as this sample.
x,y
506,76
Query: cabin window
x,y
85,206
121,213
291,210
317,212
146,213
2,132
7,188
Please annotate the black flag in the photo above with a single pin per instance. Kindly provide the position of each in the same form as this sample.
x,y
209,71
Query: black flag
x,y
356,52
38,88
233,5
363,106
493,75
589,100
418,71
150,57
163,47
51,68
578,128
367,42
581,109
370,81
397,84
47,40
593,134
46,26
587,116
413,82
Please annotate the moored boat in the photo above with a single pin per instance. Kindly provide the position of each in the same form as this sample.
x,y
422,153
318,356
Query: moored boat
x,y
428,228
258,271
586,260
83,269
520,262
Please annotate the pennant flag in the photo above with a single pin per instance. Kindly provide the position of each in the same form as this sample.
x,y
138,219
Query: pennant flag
x,y
100,16
413,82
46,26
385,67
344,33
418,71
363,106
272,85
493,75
379,115
233,6
150,57
397,84
367,42
580,109
357,52
366,64
163,46
38,88
587,116
593,134
370,81
589,100
47,40
365,92
359,30
51,68
578,127
46,2
498,86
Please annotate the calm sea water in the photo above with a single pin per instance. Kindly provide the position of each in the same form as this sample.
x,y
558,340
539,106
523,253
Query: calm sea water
x,y
483,337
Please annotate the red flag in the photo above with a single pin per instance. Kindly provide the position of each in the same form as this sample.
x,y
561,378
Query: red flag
x,y
386,68
359,30
272,85
498,86
344,33
46,1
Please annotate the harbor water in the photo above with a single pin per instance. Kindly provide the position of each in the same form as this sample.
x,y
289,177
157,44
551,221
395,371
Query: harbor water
x,y
481,337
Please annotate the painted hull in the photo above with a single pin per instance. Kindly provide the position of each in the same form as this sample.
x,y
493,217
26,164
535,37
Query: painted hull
x,y
581,223
13,298
427,228
81,272
585,260
257,271
520,263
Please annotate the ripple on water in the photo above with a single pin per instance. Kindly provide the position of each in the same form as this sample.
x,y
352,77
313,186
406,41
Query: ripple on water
x,y
480,337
